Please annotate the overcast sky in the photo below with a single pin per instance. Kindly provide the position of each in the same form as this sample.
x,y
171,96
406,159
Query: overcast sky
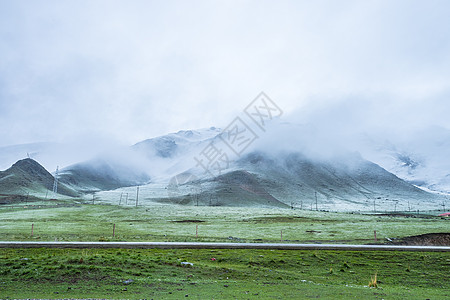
x,y
131,70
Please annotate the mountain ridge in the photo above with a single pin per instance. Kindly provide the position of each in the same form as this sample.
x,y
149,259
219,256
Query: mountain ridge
x,y
28,176
271,175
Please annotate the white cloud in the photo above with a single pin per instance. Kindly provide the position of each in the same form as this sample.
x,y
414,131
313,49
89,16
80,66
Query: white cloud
x,y
135,69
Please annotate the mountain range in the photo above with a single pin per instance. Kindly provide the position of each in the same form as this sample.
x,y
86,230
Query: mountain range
x,y
379,175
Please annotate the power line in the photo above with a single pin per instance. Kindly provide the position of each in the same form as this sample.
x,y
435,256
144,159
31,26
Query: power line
x,y
137,196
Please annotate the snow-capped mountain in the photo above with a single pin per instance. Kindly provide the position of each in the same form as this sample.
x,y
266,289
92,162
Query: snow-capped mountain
x,y
272,172
174,153
422,159
153,160
287,165
176,144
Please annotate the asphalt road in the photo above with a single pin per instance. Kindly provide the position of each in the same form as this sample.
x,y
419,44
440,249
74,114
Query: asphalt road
x,y
176,245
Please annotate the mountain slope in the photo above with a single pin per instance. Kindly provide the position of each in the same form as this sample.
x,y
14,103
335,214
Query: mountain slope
x,y
235,188
102,174
174,153
277,171
347,180
28,176
176,144
241,188
280,171
422,158
38,151
258,179
339,183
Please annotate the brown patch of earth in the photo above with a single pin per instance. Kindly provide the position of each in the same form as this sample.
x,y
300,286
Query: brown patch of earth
x,y
428,239
189,221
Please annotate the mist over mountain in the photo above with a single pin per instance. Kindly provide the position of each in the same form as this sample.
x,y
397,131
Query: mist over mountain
x,y
174,144
174,153
289,164
39,151
343,181
100,174
403,136
422,158
54,154
361,90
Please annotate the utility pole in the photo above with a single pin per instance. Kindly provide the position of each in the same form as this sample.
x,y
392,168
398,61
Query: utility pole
x,y
55,182
126,199
137,196
194,196
374,210
301,204
120,201
315,194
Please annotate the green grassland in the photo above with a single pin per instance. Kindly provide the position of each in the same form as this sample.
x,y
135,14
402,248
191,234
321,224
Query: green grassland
x,y
68,221
234,274
221,274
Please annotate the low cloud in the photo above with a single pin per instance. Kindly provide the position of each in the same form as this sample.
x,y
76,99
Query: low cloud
x,y
134,70
329,127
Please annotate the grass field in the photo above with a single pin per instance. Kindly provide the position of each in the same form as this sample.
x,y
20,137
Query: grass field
x,y
221,274
179,223
234,274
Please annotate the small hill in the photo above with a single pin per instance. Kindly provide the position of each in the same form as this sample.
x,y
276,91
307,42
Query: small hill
x,y
28,176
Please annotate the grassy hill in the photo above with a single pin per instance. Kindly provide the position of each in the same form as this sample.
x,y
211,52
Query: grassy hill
x,y
28,177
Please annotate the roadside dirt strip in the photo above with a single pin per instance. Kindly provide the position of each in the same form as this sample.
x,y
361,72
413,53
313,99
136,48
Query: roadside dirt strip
x,y
186,245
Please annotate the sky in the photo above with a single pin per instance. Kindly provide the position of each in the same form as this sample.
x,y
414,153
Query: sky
x,y
125,71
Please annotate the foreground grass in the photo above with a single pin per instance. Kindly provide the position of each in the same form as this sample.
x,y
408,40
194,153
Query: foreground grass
x,y
215,224
249,274
221,274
